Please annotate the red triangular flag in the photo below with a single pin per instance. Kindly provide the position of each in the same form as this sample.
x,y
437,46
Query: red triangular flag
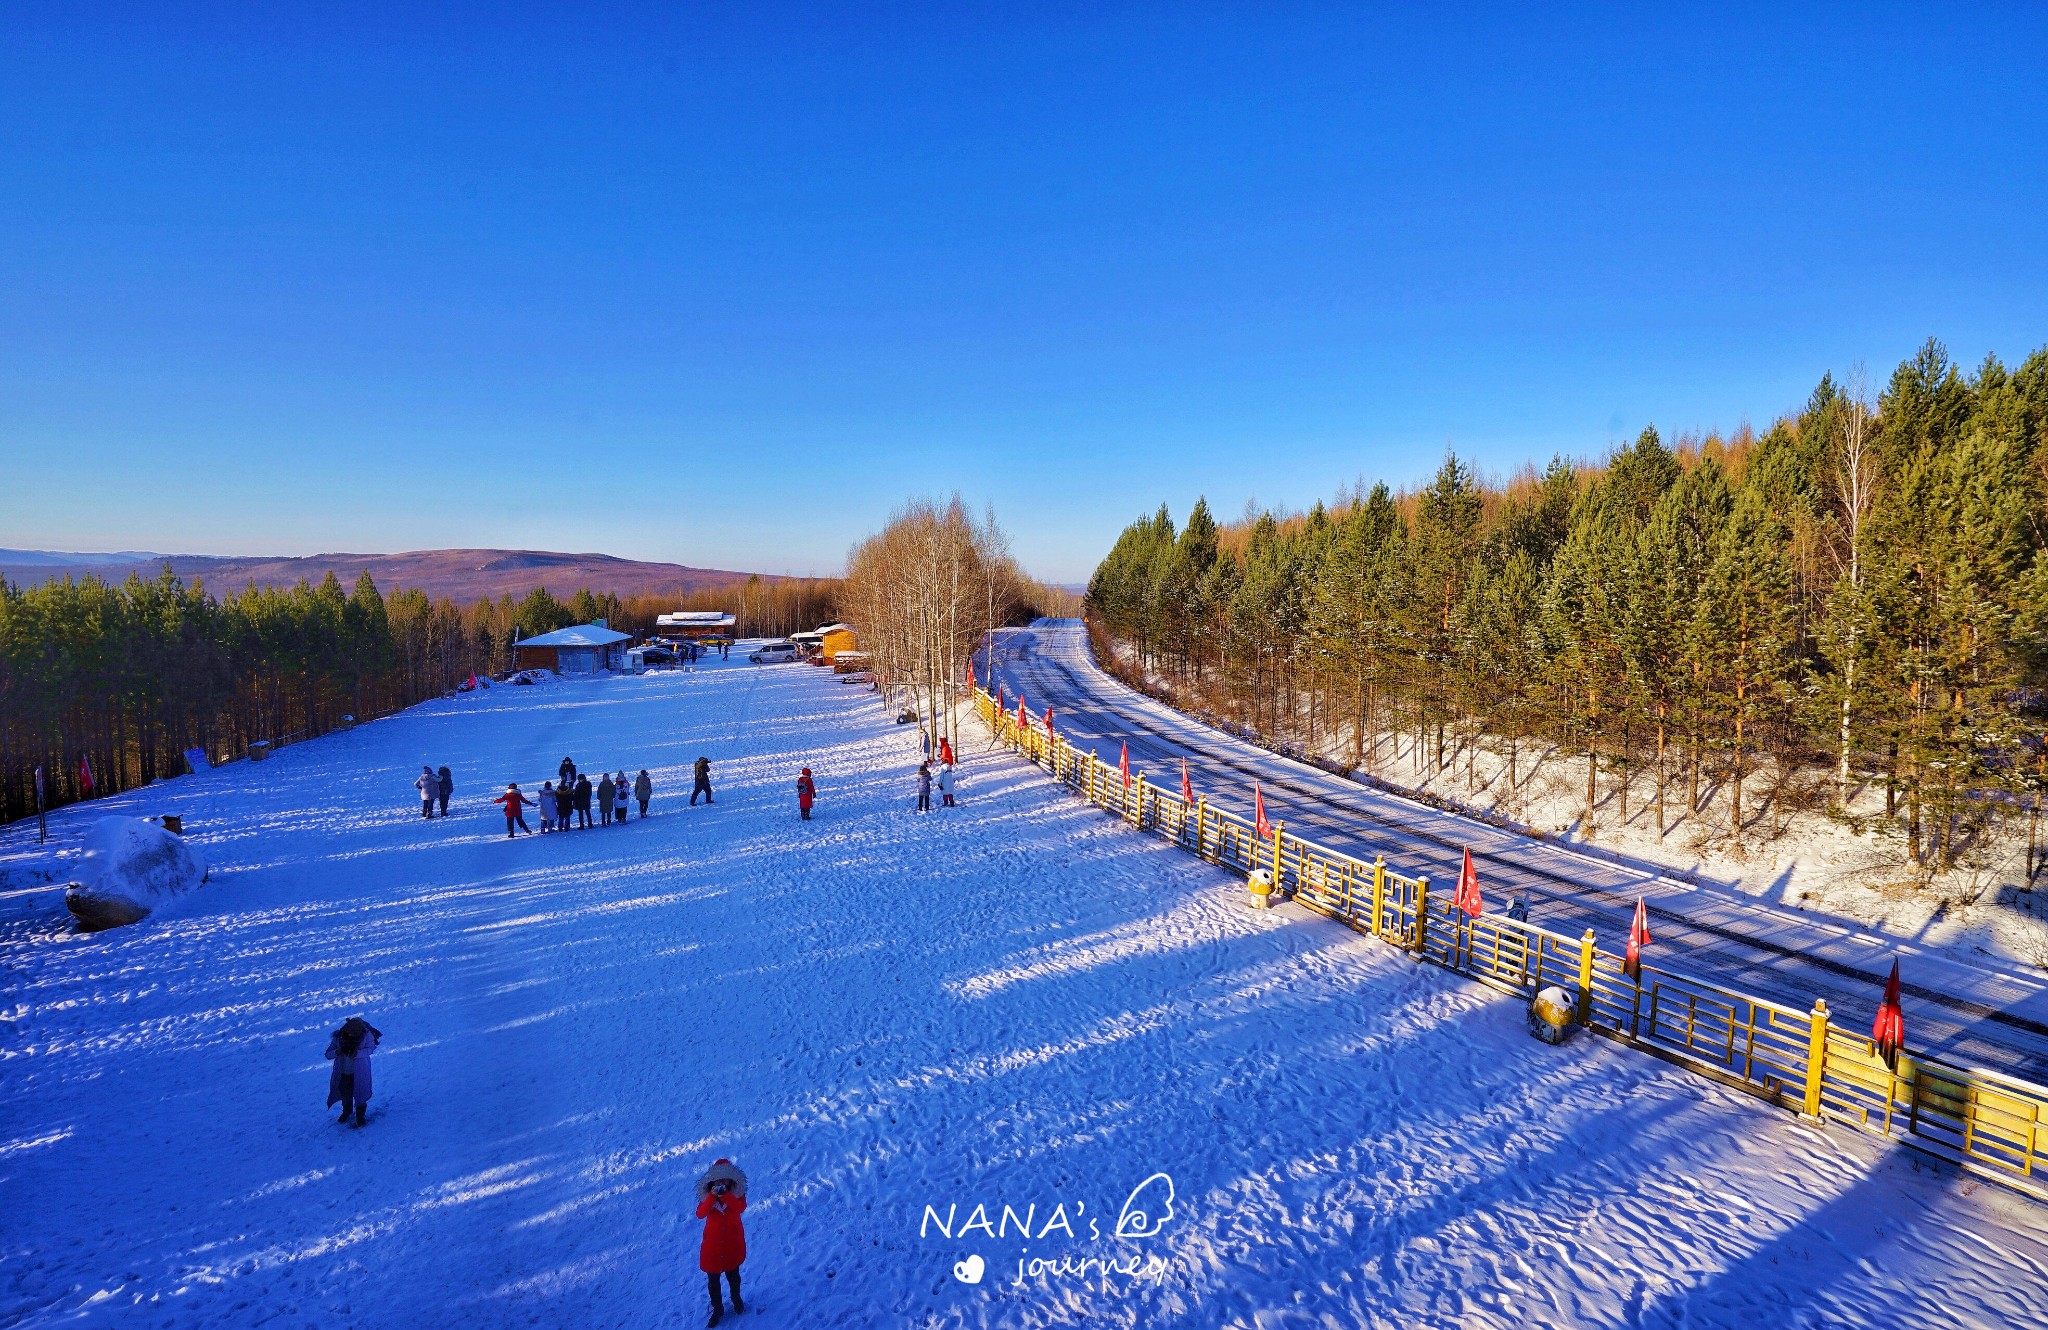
x,y
472,680
1023,716
1638,936
1467,897
1260,825
1890,1030
1047,718
85,774
970,676
1001,704
1187,787
1123,764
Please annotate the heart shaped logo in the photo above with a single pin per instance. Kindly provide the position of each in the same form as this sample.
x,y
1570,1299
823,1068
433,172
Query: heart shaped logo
x,y
970,1270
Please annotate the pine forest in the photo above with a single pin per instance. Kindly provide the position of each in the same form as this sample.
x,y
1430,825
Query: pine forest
x,y
1844,616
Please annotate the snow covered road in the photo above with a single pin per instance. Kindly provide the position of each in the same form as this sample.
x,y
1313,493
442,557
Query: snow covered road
x,y
899,1025
1972,1012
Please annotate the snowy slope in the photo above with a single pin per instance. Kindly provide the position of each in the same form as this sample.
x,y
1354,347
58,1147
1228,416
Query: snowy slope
x,y
1018,1003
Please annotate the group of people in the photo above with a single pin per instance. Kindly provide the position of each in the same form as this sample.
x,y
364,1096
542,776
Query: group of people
x,y
925,781
570,803
435,787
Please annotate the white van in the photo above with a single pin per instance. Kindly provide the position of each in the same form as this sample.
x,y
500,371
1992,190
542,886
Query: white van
x,y
775,653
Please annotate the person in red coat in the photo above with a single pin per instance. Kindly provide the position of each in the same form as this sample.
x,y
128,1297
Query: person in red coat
x,y
806,794
515,805
721,1197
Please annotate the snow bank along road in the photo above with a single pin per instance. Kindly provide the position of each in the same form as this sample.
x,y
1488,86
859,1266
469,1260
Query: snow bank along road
x,y
1021,1003
1971,1015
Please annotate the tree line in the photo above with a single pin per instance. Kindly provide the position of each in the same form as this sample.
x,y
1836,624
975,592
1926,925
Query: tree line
x,y
924,590
120,679
1727,630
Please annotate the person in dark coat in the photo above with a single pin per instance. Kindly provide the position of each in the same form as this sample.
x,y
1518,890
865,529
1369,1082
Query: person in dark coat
x,y
924,787
349,1080
605,794
582,801
515,810
721,1198
447,788
566,773
703,785
643,790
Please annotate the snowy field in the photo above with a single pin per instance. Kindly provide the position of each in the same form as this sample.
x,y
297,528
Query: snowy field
x,y
896,1024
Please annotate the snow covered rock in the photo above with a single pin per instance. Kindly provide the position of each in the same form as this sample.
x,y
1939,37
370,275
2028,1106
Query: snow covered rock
x,y
132,868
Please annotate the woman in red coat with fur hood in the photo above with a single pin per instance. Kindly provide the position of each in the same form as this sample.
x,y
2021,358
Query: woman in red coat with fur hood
x,y
721,1196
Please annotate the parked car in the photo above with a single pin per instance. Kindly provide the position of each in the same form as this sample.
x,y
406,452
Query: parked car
x,y
775,653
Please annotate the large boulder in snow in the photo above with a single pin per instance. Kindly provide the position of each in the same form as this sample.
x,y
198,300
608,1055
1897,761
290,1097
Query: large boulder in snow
x,y
132,868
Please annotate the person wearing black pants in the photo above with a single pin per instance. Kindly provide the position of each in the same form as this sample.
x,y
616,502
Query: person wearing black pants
x,y
446,788
703,785
582,801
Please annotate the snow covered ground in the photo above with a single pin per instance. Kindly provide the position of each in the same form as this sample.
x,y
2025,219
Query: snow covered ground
x,y
897,1024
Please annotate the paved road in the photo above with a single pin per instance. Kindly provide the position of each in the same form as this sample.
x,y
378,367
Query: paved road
x,y
1976,1015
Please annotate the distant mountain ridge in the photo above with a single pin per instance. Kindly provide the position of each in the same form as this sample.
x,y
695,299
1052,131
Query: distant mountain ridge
x,y
463,575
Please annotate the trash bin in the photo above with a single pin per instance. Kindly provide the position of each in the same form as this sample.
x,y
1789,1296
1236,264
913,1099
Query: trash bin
x,y
1553,1015
1259,889
259,749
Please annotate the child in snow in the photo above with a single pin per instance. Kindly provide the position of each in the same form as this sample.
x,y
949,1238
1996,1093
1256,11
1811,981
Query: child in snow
x,y
550,805
946,785
429,786
643,790
566,773
924,787
605,793
621,791
721,1196
703,785
447,788
806,794
582,800
348,1083
515,806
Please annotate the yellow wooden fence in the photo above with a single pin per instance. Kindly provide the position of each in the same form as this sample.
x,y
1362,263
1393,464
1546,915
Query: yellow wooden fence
x,y
1800,1060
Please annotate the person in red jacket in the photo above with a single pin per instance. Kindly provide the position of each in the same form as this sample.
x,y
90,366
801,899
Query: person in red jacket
x,y
721,1196
515,805
806,794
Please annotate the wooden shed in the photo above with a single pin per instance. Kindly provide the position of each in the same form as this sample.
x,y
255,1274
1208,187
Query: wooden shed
x,y
585,649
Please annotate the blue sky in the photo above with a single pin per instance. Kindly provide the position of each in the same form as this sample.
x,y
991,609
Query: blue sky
x,y
723,284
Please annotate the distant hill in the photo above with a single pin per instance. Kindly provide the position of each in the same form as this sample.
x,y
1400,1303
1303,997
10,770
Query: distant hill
x,y
464,575
60,558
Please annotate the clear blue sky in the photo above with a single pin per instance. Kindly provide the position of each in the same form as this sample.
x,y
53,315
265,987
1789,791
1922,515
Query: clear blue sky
x,y
722,284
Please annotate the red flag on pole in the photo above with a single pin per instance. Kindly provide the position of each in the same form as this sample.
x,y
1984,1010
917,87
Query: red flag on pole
x,y
1001,703
1467,897
1047,718
85,774
1890,1030
1638,936
1123,763
1023,716
1187,787
1259,822
970,676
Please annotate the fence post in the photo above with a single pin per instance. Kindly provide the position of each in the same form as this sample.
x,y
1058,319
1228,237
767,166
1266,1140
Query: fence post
x,y
1816,1061
1202,826
1279,830
1421,917
1586,978
1088,778
1139,781
1379,892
